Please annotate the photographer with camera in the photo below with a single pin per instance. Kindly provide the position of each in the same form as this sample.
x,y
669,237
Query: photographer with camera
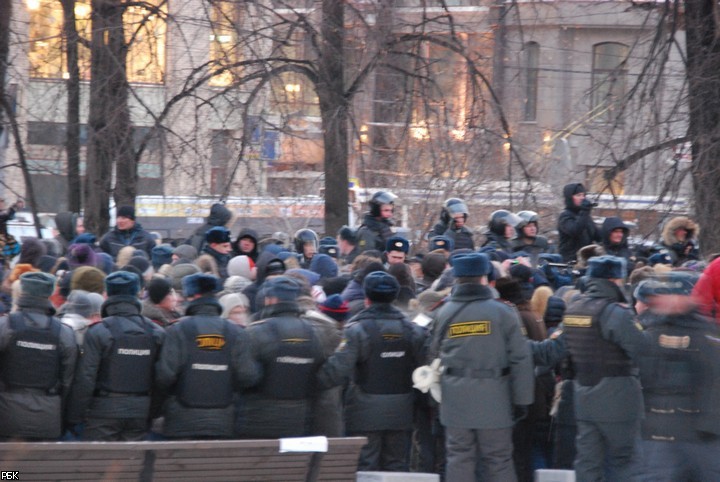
x,y
576,227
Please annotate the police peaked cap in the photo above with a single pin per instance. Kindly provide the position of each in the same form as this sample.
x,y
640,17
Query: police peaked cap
x,y
441,242
122,283
37,283
471,265
381,287
396,243
607,267
200,284
218,234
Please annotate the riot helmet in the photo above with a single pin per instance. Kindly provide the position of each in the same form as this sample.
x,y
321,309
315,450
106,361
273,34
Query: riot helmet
x,y
501,218
303,237
378,200
452,207
526,217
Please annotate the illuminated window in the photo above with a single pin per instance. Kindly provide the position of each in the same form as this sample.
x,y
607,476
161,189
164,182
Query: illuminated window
x,y
608,78
145,32
292,92
598,183
531,61
448,86
224,45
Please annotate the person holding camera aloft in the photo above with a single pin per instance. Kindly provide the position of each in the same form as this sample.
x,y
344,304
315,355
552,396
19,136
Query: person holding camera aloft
x,y
576,227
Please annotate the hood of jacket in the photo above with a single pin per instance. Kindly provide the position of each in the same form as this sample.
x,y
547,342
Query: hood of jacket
x,y
611,224
65,223
219,215
668,233
568,191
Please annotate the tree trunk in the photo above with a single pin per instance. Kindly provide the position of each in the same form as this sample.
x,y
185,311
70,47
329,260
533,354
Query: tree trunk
x,y
109,133
334,113
703,53
72,143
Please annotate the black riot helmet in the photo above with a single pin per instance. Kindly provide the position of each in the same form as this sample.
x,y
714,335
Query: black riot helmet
x,y
501,218
526,217
451,207
303,237
378,199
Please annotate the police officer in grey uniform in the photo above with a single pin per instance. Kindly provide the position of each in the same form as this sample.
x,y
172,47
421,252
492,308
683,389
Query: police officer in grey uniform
x,y
37,361
381,348
487,378
603,339
114,378
204,360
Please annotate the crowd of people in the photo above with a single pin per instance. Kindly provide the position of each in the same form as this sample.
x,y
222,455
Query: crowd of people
x,y
474,360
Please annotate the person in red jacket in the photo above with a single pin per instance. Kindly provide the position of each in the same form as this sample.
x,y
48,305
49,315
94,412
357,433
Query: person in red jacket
x,y
707,291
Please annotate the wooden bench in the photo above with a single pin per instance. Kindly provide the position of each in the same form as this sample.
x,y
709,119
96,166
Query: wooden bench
x,y
231,460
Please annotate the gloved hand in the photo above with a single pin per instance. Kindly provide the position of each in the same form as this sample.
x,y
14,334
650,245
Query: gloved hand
x,y
586,205
519,412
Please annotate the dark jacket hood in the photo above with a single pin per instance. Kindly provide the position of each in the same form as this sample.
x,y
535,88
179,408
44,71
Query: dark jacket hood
x,y
609,225
219,215
569,190
65,223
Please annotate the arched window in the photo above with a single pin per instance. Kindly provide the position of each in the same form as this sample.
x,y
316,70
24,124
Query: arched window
x,y
608,78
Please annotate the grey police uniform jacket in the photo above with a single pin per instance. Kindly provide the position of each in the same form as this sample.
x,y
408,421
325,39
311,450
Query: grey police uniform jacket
x,y
85,400
613,399
185,421
367,412
487,365
30,412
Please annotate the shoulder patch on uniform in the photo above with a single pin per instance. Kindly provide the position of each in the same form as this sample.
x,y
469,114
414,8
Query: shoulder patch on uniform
x,y
294,340
210,342
469,328
674,342
578,321
391,336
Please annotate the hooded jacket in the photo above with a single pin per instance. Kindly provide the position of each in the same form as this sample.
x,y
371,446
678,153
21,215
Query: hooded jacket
x,y
66,225
219,216
621,249
576,227
246,233
681,251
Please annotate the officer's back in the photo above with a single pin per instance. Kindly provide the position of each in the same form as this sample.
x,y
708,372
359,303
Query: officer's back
x,y
113,381
37,360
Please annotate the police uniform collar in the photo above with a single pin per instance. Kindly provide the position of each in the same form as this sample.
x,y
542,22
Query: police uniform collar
x,y
379,310
36,304
121,305
603,288
205,305
282,308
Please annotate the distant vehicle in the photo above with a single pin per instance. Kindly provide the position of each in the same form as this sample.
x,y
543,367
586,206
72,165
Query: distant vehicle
x,y
23,226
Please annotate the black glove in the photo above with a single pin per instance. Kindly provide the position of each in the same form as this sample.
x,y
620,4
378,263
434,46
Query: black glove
x,y
520,412
586,204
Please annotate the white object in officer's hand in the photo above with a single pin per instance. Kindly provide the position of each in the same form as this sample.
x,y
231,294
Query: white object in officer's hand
x,y
427,378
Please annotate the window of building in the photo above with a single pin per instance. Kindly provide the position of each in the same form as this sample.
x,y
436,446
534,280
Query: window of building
x,y
224,45
145,32
447,74
292,92
608,78
598,183
531,62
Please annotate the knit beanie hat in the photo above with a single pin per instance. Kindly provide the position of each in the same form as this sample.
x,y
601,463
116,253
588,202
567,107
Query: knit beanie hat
x,y
179,271
241,266
324,265
126,212
158,288
87,278
335,307
81,255
37,284
186,251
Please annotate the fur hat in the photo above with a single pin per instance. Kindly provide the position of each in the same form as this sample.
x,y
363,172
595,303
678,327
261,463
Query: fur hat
x,y
510,290
88,278
218,234
241,266
441,242
31,250
607,267
158,288
329,249
284,288
200,284
587,252
186,251
126,212
324,265
161,255
81,255
381,287
38,284
122,283
85,238
335,307
396,243
660,258
470,265
179,271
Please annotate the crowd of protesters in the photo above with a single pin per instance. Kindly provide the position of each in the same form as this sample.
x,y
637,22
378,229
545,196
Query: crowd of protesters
x,y
478,358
